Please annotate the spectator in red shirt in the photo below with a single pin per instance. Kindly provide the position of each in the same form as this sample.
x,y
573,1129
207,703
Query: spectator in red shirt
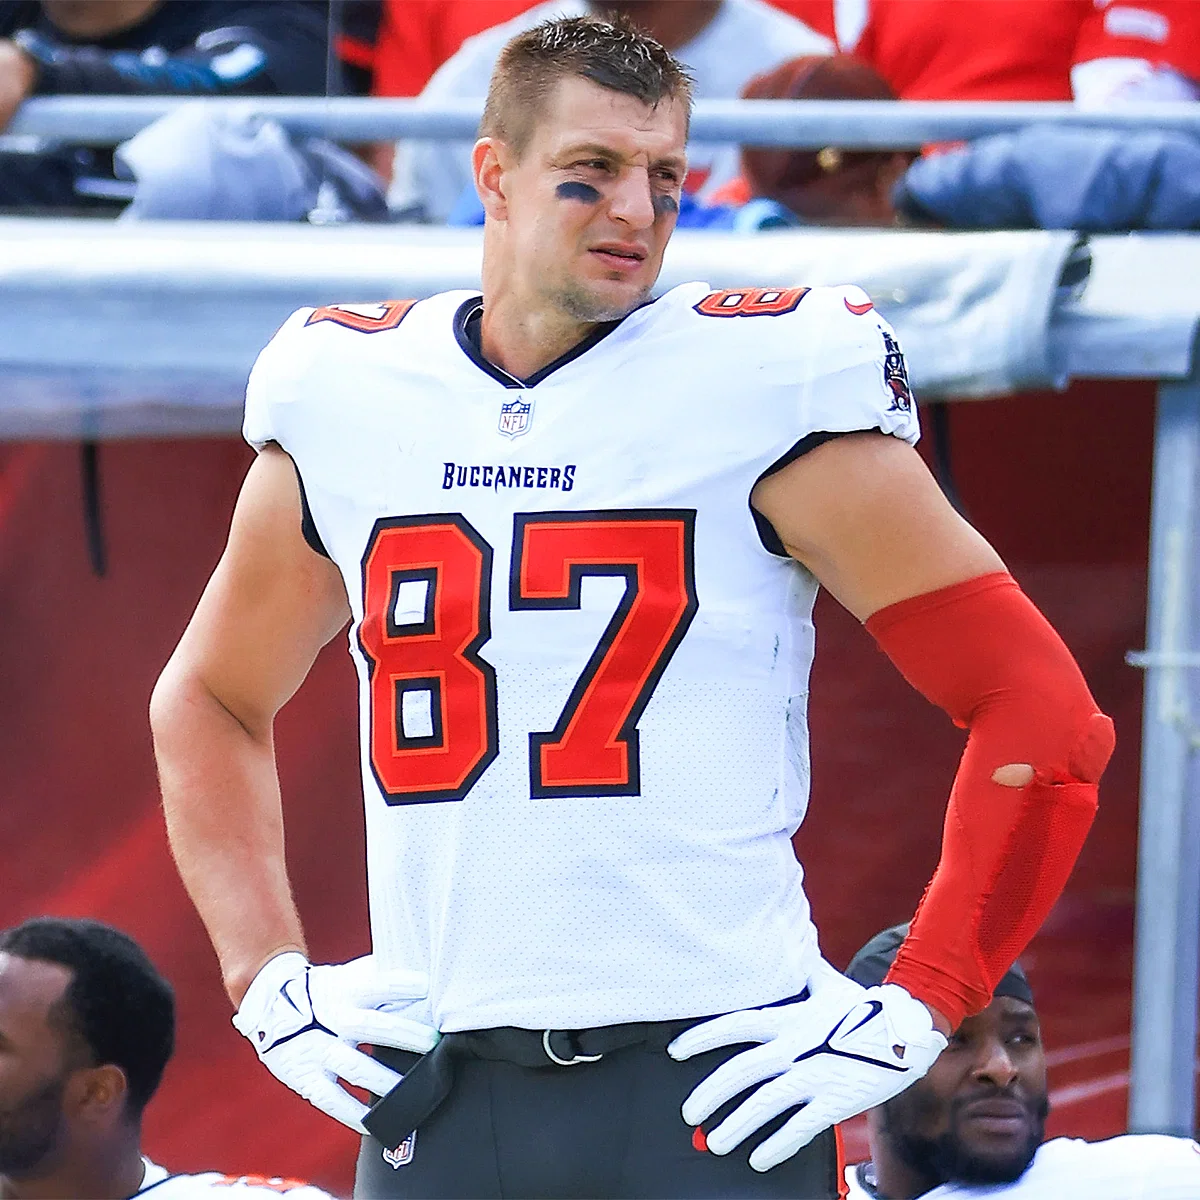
x,y
392,47
1095,51
1026,49
410,39
1138,52
982,50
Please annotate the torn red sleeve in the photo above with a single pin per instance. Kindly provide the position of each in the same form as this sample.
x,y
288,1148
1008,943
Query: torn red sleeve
x,y
983,652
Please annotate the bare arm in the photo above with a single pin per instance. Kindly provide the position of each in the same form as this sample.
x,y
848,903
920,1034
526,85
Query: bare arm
x,y
864,515
270,606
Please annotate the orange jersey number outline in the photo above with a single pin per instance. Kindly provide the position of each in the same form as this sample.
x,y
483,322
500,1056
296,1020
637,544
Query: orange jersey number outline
x,y
751,302
389,314
593,748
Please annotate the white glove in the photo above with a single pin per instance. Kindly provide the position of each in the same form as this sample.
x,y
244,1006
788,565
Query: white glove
x,y
843,1050
306,1023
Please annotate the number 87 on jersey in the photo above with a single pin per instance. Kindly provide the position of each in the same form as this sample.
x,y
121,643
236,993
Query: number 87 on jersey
x,y
427,595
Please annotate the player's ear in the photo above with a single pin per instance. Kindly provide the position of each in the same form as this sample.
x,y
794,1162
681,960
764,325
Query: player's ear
x,y
97,1094
488,163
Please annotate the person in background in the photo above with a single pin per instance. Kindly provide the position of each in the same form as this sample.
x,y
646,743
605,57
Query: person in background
x,y
140,47
1041,177
397,45
87,1027
1094,51
400,43
1131,53
723,43
1049,177
973,1126
392,47
829,185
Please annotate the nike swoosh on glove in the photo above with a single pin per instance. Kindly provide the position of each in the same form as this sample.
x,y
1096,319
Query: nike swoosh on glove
x,y
843,1050
307,1022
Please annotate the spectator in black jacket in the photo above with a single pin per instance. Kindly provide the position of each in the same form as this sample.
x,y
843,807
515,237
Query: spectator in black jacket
x,y
141,47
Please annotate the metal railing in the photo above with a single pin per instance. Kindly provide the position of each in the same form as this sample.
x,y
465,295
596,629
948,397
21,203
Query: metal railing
x,y
811,124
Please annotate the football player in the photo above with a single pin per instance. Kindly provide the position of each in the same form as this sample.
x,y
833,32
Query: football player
x,y
578,532
973,1126
87,1026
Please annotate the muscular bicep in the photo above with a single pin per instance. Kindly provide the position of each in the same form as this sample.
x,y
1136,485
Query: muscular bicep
x,y
864,515
270,606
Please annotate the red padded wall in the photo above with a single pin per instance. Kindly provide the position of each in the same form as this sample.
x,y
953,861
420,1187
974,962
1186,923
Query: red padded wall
x,y
1061,485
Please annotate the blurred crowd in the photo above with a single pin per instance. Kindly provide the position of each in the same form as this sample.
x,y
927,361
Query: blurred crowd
x,y
200,163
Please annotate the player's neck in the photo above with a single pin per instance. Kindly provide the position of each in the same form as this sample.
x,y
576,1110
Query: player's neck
x,y
522,339
109,1172
892,1177
896,1180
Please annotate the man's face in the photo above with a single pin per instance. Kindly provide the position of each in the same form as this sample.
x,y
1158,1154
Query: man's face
x,y
33,1062
979,1115
593,199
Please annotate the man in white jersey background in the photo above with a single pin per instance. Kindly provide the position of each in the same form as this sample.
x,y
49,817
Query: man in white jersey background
x,y
722,43
973,1126
578,532
87,1026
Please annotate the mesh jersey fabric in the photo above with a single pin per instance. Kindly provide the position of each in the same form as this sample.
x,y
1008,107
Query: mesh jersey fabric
x,y
672,892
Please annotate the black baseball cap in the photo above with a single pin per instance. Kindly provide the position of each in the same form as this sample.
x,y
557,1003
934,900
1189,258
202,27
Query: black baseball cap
x,y
871,964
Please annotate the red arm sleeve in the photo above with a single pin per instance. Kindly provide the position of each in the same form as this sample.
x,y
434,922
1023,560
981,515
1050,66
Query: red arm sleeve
x,y
984,653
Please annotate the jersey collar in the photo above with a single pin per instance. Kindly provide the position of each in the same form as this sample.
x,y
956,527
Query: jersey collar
x,y
467,321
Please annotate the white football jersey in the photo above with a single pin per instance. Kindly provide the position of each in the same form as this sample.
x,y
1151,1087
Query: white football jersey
x,y
1134,1167
212,1185
583,675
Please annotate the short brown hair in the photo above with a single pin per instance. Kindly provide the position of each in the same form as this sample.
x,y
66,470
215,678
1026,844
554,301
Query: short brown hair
x,y
612,52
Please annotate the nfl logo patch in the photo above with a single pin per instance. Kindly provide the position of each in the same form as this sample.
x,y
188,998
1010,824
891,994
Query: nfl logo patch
x,y
403,1153
515,417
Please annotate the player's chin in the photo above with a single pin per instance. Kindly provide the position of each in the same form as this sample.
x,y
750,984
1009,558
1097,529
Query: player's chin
x,y
988,1158
606,299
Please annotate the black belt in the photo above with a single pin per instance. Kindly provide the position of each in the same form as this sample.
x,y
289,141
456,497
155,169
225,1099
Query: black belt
x,y
428,1082
415,1098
